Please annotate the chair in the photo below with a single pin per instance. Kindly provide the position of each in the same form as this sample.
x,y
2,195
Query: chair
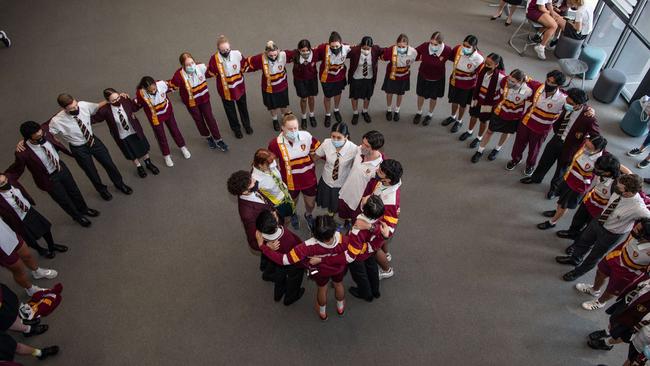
x,y
568,47
573,68
523,36
594,57
633,123
609,85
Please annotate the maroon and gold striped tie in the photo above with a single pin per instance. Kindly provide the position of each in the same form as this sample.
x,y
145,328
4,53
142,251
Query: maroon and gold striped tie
x,y
84,130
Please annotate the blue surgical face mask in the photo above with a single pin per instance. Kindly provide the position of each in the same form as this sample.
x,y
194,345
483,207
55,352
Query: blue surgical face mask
x,y
568,107
338,143
291,135
190,69
402,50
434,49
467,51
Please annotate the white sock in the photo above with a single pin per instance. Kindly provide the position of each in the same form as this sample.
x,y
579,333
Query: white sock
x,y
454,116
322,309
137,163
498,148
389,109
340,304
336,109
431,114
470,131
552,222
275,118
328,114
419,111
355,113
27,328
365,110
396,109
37,352
311,114
479,138
480,149
304,116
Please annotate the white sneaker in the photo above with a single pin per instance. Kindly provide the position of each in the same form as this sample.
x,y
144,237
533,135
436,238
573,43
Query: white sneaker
x,y
389,257
592,305
386,274
539,49
186,152
34,289
168,161
587,289
44,273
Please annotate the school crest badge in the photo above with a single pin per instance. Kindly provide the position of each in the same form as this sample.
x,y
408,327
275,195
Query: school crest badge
x,y
469,66
517,99
408,62
550,105
635,254
234,67
280,67
303,147
641,309
587,166
579,135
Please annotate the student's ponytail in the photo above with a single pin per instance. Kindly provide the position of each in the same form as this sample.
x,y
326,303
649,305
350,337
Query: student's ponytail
x,y
498,60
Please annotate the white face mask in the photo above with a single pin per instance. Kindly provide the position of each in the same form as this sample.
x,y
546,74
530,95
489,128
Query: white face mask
x,y
273,165
365,52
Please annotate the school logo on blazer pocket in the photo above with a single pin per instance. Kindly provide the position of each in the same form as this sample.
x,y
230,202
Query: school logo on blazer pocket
x,y
280,67
579,135
303,147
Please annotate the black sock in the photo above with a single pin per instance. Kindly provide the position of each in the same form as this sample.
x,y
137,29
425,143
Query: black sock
x,y
50,240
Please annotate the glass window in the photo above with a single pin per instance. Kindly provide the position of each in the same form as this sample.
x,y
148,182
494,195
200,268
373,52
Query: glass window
x,y
634,62
607,31
626,6
642,24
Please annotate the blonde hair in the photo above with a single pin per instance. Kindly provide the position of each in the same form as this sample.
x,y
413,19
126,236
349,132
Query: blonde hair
x,y
270,46
221,39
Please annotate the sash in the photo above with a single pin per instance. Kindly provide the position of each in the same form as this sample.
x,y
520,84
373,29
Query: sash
x,y
154,115
452,81
287,162
326,62
222,75
538,93
267,74
393,61
188,87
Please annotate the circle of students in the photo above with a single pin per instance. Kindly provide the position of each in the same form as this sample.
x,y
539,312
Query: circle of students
x,y
358,183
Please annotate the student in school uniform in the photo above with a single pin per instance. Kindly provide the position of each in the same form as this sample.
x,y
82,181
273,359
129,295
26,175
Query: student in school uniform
x,y
294,150
362,76
152,97
506,114
15,256
486,95
364,239
326,241
50,173
126,130
542,12
433,56
467,63
577,180
624,265
190,80
332,74
512,8
17,210
387,185
266,173
576,123
366,163
578,28
595,201
275,88
339,154
397,80
305,80
227,66
287,279
543,108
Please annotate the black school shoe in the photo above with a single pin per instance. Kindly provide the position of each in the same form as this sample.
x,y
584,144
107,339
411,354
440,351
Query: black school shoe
x,y
427,121
599,344
303,123
366,117
448,121
474,143
355,118
456,127
493,155
389,116
417,118
328,120
312,121
545,225
354,291
239,135
48,351
338,117
276,125
395,116
476,157
141,172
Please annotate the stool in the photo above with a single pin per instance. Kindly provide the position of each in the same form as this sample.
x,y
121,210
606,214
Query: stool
x,y
568,47
574,68
524,35
594,57
609,85
632,124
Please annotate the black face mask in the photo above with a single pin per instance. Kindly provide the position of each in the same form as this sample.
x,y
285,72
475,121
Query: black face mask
x,y
224,53
75,112
41,141
272,59
336,51
5,187
256,187
116,104
550,88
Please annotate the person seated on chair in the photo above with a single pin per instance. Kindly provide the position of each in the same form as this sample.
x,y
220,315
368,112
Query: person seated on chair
x,y
541,11
578,28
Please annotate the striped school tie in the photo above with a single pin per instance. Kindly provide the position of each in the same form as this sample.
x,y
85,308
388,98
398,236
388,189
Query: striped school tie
x,y
365,68
608,211
564,124
54,161
125,125
19,202
335,170
84,130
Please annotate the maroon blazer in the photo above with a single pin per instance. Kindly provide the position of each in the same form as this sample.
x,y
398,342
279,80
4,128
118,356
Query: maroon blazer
x,y
106,114
248,212
9,215
582,127
28,159
355,54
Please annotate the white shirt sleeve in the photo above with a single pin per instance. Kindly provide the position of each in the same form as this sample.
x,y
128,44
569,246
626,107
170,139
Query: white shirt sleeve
x,y
321,151
162,86
90,107
201,68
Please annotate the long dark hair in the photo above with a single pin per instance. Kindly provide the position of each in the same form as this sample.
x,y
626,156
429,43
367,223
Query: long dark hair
x,y
335,37
108,92
497,60
341,128
302,44
145,82
472,40
366,41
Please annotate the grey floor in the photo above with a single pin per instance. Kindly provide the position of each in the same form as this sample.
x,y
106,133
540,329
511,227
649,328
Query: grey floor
x,y
164,277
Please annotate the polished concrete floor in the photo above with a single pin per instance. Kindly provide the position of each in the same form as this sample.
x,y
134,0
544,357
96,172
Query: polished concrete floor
x,y
164,277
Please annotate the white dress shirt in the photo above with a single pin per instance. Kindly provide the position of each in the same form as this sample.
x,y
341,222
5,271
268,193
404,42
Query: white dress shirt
x,y
628,210
7,195
360,175
346,158
120,129
358,73
39,150
268,185
253,197
8,238
572,119
64,125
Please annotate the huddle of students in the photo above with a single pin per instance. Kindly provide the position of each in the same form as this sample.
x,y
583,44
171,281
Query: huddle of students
x,y
357,183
